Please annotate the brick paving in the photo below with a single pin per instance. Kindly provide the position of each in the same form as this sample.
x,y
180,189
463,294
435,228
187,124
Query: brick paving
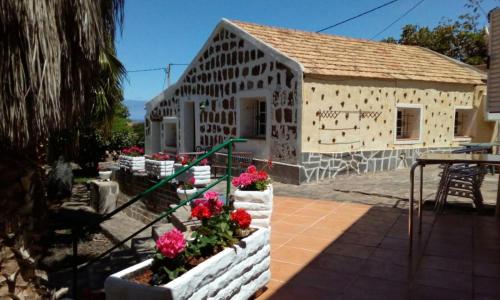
x,y
341,250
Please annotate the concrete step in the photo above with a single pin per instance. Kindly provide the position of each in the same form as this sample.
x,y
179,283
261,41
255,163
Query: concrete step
x,y
121,226
181,219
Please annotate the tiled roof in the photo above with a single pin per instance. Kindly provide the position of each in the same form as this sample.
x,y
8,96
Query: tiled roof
x,y
330,55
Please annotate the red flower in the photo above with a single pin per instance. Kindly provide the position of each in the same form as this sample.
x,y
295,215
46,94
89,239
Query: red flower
x,y
204,162
270,164
262,175
252,169
201,212
241,217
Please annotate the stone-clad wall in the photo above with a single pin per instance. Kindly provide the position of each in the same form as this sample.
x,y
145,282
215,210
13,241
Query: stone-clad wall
x,y
148,208
320,166
228,69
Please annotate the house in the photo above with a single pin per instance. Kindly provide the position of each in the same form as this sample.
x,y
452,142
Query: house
x,y
318,105
493,99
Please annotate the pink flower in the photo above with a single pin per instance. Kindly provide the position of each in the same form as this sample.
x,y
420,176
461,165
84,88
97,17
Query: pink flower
x,y
211,195
204,162
216,206
199,201
171,243
192,181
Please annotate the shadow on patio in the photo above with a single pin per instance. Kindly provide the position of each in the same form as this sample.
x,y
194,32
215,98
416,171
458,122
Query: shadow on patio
x,y
332,250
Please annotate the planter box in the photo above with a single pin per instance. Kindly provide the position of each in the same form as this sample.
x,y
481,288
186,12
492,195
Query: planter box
x,y
234,273
184,194
258,204
132,163
201,174
159,168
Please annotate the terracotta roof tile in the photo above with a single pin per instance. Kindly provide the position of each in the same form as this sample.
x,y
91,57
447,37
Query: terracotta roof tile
x,y
331,55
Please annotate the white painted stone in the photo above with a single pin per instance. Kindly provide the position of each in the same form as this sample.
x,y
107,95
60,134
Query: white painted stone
x,y
259,205
132,163
234,273
184,194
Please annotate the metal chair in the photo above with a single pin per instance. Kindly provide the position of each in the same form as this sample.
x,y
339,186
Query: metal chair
x,y
462,181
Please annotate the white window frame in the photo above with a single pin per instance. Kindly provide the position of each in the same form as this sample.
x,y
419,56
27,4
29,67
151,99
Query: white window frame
x,y
460,138
170,120
420,125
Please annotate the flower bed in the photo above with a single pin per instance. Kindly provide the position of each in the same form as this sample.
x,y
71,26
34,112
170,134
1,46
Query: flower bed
x,y
255,194
132,160
159,165
226,259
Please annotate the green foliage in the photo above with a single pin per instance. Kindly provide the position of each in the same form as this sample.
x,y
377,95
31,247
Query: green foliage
x,y
462,39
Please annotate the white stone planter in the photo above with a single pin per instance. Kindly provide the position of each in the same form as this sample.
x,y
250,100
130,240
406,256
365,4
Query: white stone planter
x,y
258,204
234,273
184,194
159,168
132,163
201,174
105,175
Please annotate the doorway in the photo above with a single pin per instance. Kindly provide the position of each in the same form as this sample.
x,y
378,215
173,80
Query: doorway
x,y
189,127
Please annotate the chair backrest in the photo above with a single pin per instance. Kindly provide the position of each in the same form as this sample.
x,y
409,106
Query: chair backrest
x,y
473,149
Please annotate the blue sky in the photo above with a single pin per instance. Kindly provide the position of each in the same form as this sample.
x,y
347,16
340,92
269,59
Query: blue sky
x,y
158,32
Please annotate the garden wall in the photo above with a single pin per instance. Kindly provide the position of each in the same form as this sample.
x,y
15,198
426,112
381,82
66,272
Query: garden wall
x,y
148,208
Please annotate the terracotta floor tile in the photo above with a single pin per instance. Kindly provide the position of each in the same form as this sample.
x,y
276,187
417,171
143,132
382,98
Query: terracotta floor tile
x,y
385,270
486,256
337,263
322,279
327,206
279,238
283,271
287,228
301,292
487,270
360,239
350,250
277,217
422,292
312,212
309,242
300,220
444,279
374,288
446,264
294,255
396,257
322,232
487,286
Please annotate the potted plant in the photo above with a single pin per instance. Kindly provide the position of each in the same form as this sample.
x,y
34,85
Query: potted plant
x,y
200,172
159,165
186,188
132,159
225,259
104,173
254,192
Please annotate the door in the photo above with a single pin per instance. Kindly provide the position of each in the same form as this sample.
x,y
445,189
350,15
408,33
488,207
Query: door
x,y
189,129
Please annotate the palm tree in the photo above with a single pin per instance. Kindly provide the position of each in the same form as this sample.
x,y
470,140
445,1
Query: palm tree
x,y
50,51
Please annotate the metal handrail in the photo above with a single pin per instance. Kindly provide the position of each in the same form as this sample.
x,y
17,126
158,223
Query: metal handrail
x,y
229,143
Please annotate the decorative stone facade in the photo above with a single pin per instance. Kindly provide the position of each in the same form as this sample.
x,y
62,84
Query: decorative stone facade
x,y
228,69
320,166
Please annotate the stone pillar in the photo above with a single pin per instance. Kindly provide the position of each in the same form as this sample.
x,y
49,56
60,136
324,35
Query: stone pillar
x,y
103,195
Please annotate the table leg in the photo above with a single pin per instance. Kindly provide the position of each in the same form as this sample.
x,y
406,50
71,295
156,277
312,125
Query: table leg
x,y
410,208
420,202
497,210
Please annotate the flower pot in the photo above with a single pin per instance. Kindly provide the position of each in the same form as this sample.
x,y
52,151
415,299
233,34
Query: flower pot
x,y
184,194
201,174
105,175
159,168
259,204
234,273
131,163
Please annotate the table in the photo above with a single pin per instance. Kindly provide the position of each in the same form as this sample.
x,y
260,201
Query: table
x,y
103,195
444,158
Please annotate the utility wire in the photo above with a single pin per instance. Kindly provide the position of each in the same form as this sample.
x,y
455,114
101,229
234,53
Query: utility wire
x,y
357,16
155,69
397,20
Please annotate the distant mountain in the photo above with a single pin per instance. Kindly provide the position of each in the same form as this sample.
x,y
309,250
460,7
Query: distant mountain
x,y
136,109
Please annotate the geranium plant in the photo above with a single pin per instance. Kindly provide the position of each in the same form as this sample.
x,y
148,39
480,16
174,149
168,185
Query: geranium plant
x,y
252,180
220,228
160,156
133,151
183,159
188,184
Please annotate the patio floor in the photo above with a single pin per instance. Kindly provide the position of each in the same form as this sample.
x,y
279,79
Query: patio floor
x,y
341,250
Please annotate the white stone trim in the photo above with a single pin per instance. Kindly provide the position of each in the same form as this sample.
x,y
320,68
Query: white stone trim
x,y
420,124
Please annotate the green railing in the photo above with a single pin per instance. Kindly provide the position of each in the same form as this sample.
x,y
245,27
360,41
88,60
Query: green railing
x,y
227,176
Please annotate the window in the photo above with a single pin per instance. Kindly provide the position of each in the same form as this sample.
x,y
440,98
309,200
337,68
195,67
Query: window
x,y
253,115
169,130
463,121
408,123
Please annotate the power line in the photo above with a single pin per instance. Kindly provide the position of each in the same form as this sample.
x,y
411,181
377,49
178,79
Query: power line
x,y
146,70
357,16
398,19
